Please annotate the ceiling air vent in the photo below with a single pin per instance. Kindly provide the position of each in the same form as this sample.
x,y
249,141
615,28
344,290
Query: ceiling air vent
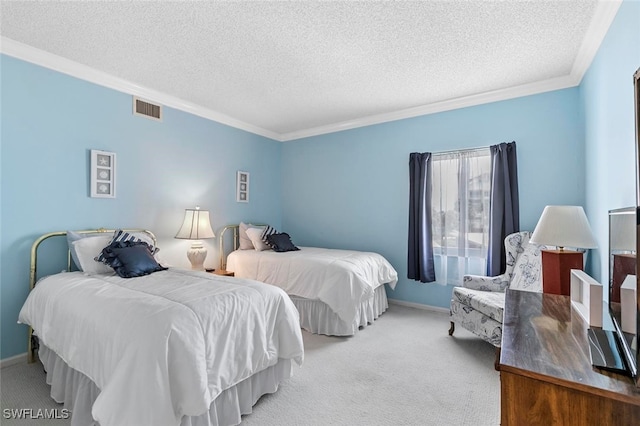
x,y
147,109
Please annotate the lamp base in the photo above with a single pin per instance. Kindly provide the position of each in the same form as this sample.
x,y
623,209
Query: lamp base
x,y
556,270
196,255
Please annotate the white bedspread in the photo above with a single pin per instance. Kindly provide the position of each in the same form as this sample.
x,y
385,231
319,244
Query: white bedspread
x,y
340,278
164,345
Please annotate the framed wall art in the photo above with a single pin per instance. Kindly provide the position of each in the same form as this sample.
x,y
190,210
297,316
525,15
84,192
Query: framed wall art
x,y
103,174
242,187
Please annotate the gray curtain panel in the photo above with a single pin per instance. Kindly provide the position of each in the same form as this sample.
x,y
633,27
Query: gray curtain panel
x,y
420,253
504,214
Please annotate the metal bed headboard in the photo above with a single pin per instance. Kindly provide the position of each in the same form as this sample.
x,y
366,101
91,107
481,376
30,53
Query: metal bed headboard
x,y
236,241
33,270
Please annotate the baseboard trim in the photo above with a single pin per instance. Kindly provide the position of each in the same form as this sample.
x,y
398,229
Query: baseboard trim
x,y
17,359
419,306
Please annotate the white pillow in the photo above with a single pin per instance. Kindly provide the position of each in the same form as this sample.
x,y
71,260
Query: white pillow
x,y
87,249
75,236
245,242
255,235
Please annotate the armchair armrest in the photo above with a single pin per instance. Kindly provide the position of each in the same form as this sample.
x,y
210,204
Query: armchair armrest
x,y
476,282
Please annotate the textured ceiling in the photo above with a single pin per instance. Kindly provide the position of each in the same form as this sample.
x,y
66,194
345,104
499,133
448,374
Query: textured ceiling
x,y
295,68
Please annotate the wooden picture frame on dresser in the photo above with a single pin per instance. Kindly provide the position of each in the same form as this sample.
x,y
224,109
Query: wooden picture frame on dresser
x,y
586,297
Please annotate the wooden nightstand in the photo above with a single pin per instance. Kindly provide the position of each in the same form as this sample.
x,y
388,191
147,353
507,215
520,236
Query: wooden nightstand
x,y
223,273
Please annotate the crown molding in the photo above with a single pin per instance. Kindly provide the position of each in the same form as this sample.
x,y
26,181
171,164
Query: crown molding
x,y
442,106
603,17
48,60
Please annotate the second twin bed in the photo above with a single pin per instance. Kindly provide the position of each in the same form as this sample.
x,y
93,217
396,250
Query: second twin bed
x,y
335,291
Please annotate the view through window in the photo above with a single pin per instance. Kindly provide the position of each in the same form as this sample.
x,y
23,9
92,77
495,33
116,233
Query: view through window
x,y
460,213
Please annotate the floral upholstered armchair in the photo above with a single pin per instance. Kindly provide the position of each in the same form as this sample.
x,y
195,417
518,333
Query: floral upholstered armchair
x,y
478,305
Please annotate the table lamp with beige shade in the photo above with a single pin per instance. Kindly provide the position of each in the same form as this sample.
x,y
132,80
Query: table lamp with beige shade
x,y
196,227
562,226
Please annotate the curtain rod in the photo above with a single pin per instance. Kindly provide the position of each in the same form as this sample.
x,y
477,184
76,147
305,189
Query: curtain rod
x,y
461,150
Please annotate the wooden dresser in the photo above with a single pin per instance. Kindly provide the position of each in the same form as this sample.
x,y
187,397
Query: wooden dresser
x,y
545,370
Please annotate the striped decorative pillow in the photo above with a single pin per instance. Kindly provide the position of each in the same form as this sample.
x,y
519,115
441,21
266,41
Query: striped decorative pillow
x,y
268,230
121,235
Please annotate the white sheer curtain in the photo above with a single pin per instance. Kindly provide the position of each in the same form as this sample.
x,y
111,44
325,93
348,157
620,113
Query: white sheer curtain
x,y
460,213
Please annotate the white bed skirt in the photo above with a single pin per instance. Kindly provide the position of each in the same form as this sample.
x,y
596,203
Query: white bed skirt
x,y
316,317
78,392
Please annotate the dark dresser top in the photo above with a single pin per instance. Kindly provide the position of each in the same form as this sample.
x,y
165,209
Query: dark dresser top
x,y
544,338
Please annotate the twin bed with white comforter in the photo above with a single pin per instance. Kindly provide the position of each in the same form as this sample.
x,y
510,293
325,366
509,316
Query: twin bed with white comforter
x,y
172,347
150,345
335,291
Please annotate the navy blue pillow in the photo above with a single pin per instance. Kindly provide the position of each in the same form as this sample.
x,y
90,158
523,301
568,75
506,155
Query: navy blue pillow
x,y
121,236
281,242
131,259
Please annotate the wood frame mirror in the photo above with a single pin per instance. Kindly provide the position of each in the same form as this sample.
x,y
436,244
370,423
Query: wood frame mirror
x,y
636,103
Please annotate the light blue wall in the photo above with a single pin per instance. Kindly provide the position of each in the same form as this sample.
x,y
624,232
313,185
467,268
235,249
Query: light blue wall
x,y
606,101
347,189
51,121
350,189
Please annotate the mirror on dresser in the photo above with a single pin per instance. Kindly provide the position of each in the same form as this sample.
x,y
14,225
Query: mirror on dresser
x,y
623,306
615,345
636,103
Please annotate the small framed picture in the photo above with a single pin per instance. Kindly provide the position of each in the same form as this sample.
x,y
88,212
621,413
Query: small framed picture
x,y
242,187
103,174
586,297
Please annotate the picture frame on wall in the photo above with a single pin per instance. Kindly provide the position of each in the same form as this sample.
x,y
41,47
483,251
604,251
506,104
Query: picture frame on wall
x,y
103,174
242,187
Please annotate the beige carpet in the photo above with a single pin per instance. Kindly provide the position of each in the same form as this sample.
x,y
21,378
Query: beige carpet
x,y
403,370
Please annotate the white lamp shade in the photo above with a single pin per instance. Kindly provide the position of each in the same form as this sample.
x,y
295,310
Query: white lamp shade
x,y
564,226
196,225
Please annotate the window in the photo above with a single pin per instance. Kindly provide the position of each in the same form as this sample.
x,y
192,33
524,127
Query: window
x,y
460,213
